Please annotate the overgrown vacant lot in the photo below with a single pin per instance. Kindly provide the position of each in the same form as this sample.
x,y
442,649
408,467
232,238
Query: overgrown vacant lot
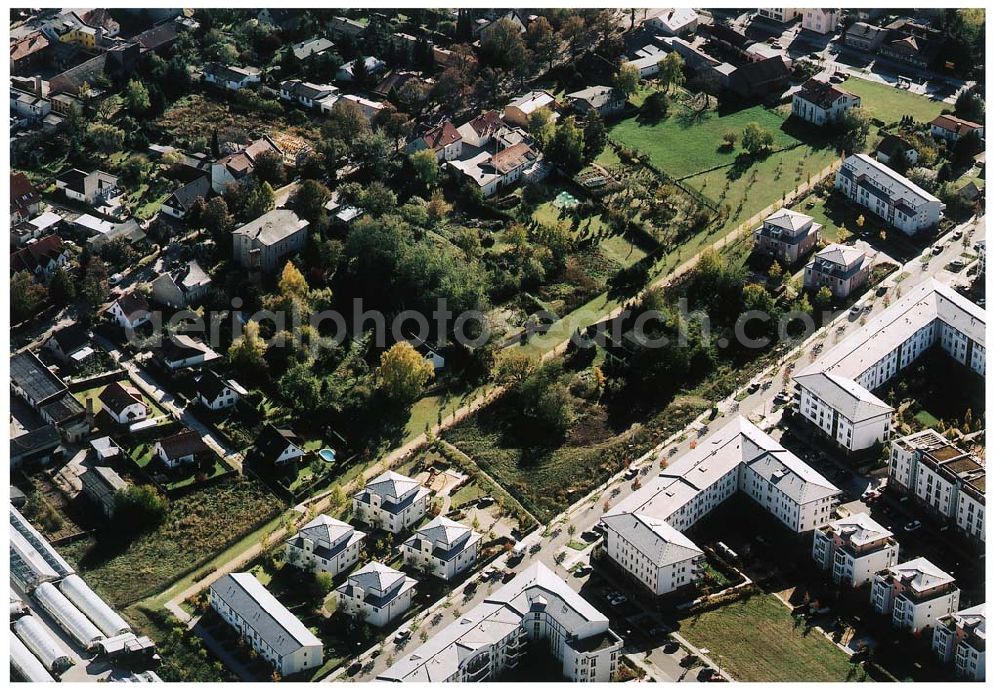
x,y
197,527
686,142
757,640
890,104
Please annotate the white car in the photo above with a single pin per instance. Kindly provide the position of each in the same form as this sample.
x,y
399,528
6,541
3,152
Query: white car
x,y
913,526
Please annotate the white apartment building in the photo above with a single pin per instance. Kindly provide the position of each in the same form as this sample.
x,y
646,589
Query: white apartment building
x,y
905,453
787,235
443,547
854,549
655,553
536,606
960,637
821,103
266,625
915,593
888,194
820,20
738,457
842,269
324,544
391,502
836,388
376,593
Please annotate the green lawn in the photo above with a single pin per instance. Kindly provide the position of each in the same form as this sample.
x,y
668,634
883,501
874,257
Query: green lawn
x,y
757,640
890,104
615,248
683,144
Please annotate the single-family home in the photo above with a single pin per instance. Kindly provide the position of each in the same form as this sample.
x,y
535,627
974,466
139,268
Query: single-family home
x,y
854,549
673,21
607,101
890,145
178,205
24,231
237,165
822,103
25,200
888,194
339,27
325,544
442,547
307,94
915,593
123,403
391,502
70,344
130,310
271,238
787,235
376,593
492,173
444,140
216,393
820,20
951,128
231,77
181,448
368,107
647,60
284,19
268,627
841,268
182,286
181,351
865,37
373,66
41,258
310,47
960,638
276,446
97,189
520,108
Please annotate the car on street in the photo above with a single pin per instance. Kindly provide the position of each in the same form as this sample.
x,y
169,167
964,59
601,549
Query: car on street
x,y
753,388
616,598
955,266
856,310
957,234
402,635
937,248
782,397
913,526
583,571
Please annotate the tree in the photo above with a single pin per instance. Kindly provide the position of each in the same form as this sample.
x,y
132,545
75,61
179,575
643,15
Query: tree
x,y
566,146
671,70
626,79
94,285
345,122
26,296
259,199
292,282
775,272
512,367
105,137
402,373
215,218
860,221
756,140
247,352
595,135
425,168
824,297
855,124
543,41
62,290
301,388
137,97
729,139
898,161
270,168
502,46
967,147
139,508
541,125
655,107
970,106
309,201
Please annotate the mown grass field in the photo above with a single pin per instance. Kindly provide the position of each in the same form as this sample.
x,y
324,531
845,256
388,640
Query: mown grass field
x,y
890,104
757,640
197,526
684,143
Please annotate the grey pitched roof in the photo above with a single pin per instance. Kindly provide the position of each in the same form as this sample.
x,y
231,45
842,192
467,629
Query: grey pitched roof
x,y
185,195
327,530
597,96
33,377
274,623
376,576
391,484
654,538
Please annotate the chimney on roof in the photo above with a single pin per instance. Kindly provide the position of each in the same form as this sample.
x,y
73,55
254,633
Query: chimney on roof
x,y
38,86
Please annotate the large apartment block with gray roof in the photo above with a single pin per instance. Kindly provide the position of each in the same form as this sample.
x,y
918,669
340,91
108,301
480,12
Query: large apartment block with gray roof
x,y
376,593
266,625
915,594
391,502
535,606
888,194
644,532
854,549
443,547
835,390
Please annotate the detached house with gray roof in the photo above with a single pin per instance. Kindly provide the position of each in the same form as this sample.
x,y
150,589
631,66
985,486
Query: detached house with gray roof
x,y
231,77
268,627
271,238
841,268
376,593
324,544
607,101
443,547
391,502
821,103
787,235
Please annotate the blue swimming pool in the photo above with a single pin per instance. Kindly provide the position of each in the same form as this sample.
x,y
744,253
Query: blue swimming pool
x,y
328,455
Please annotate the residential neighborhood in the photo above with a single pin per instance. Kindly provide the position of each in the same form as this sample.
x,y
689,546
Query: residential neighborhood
x,y
549,345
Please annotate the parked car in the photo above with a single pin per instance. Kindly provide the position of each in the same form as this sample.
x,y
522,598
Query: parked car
x,y
115,279
753,388
955,265
583,571
957,234
402,635
856,311
913,526
937,248
616,598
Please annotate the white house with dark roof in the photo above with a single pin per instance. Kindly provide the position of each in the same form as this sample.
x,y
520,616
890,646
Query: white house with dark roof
x,y
843,269
307,94
787,235
822,103
216,393
324,544
178,205
442,547
123,403
888,194
268,627
960,638
835,390
739,457
277,446
130,310
376,593
915,594
391,502
535,606
181,448
181,287
854,549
